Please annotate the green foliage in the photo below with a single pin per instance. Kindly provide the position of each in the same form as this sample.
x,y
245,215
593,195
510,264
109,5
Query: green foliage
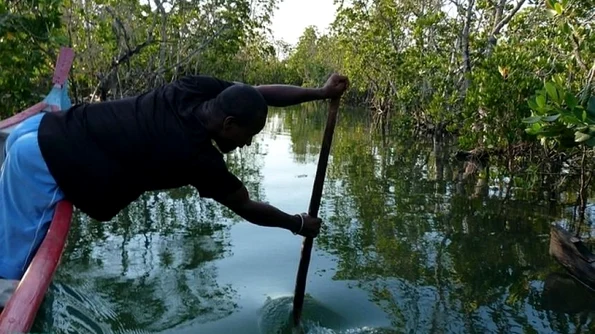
x,y
407,60
559,119
312,59
126,47
496,101
30,32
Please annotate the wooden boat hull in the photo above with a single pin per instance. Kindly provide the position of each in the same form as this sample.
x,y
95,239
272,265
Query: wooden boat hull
x,y
573,255
21,309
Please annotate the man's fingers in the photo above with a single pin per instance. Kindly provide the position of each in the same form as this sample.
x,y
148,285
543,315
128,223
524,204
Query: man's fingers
x,y
339,77
342,79
312,228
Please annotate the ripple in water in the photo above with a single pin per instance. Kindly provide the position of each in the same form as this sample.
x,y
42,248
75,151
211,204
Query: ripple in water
x,y
66,310
275,317
315,329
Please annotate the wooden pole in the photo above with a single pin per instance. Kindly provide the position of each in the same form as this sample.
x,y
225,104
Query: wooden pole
x,y
300,284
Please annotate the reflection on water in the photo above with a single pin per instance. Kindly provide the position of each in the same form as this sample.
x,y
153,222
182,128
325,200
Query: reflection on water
x,y
151,279
414,241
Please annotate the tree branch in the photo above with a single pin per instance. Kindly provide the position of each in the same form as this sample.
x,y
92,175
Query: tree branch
x,y
577,54
499,24
119,22
193,53
507,19
465,45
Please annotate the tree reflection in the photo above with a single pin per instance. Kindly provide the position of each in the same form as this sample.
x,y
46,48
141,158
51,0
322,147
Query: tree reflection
x,y
441,245
151,266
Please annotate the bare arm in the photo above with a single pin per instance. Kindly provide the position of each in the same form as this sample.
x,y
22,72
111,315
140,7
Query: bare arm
x,y
263,214
287,95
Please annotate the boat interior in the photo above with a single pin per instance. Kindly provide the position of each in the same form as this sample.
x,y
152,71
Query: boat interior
x,y
3,136
6,286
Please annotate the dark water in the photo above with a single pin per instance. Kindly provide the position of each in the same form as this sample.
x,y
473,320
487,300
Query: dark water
x,y
407,247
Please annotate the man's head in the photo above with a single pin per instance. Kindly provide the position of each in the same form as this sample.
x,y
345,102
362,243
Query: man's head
x,y
236,115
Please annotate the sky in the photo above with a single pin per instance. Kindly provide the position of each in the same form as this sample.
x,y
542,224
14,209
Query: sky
x,y
293,16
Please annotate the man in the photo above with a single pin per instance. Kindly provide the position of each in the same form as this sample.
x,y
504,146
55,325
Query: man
x,y
102,156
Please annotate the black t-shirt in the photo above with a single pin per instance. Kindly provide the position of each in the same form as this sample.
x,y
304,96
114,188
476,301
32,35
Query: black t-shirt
x,y
105,155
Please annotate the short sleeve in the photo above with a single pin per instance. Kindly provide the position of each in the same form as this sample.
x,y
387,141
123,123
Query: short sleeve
x,y
203,86
214,180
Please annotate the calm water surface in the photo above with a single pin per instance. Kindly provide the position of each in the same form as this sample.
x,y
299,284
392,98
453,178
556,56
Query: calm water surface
x,y
407,247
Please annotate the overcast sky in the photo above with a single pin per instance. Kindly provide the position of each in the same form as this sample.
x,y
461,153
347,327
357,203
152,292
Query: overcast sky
x,y
293,16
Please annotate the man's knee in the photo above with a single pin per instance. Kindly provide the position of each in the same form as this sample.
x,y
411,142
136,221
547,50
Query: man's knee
x,y
30,125
22,149
13,137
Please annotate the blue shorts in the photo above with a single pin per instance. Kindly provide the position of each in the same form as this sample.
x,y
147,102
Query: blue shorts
x,y
28,198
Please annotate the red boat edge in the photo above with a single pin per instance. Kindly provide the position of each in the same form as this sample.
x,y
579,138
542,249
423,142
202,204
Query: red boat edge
x,y
23,115
21,309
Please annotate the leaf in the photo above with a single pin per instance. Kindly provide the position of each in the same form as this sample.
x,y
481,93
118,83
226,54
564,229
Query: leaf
x,y
576,115
571,100
531,120
552,91
551,118
591,106
590,142
549,133
580,137
532,105
534,129
540,99
558,8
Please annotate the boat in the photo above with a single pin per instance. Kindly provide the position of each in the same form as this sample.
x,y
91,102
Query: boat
x,y
21,308
573,255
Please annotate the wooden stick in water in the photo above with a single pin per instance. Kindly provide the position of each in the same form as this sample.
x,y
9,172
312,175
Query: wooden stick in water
x,y
300,284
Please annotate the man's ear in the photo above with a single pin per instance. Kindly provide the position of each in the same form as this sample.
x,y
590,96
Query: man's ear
x,y
229,122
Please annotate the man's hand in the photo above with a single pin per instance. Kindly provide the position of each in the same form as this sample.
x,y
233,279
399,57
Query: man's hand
x,y
335,86
311,226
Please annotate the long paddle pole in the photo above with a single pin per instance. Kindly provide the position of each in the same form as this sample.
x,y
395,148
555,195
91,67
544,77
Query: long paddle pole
x,y
300,284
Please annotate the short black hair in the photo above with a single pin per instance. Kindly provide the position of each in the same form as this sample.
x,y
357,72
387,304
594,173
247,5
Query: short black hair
x,y
243,102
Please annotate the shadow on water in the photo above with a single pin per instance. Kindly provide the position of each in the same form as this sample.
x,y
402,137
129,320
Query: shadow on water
x,y
562,293
434,244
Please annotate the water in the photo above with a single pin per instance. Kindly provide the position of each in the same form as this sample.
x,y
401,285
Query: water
x,y
406,248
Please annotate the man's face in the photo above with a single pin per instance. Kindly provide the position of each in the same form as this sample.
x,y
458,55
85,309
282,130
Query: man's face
x,y
233,135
